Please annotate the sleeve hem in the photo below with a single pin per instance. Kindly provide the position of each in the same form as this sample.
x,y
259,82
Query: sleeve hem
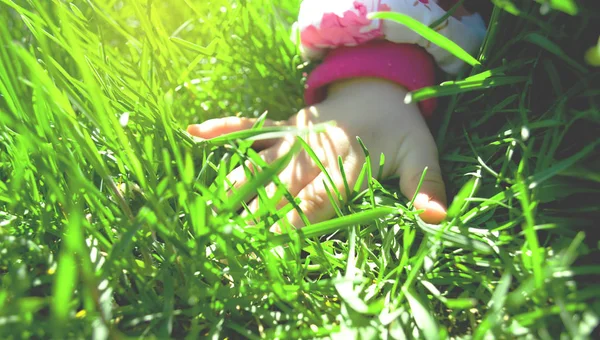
x,y
405,64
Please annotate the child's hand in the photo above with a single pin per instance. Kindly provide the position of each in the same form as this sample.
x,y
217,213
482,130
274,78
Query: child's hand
x,y
372,109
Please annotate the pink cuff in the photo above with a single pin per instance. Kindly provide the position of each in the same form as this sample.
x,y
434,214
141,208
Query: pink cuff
x,y
405,64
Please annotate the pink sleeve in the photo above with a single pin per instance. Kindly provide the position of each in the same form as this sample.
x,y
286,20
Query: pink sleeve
x,y
404,64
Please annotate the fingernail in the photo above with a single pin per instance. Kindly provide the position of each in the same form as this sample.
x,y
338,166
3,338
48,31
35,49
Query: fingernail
x,y
195,130
193,127
434,212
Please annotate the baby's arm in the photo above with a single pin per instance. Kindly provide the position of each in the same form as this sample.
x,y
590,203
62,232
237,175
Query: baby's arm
x,y
354,47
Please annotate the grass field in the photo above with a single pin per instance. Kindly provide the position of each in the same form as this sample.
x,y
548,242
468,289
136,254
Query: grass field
x,y
114,223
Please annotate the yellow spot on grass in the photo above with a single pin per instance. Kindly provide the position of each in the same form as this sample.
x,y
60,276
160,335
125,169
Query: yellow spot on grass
x,y
592,56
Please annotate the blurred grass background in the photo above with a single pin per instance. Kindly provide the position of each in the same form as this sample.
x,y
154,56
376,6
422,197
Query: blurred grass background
x,y
107,227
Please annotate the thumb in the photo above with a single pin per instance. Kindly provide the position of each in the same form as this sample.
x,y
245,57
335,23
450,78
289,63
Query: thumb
x,y
414,158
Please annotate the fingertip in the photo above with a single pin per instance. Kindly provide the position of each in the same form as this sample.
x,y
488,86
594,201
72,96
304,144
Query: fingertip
x,y
434,211
195,130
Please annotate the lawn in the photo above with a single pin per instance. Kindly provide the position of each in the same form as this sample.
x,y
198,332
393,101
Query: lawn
x,y
114,223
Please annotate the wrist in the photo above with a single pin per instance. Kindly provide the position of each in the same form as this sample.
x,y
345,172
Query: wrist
x,y
367,102
365,88
372,93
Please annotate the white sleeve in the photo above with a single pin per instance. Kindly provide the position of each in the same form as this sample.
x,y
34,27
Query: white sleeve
x,y
327,24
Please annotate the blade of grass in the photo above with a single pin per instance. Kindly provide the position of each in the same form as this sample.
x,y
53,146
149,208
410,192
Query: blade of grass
x,y
428,34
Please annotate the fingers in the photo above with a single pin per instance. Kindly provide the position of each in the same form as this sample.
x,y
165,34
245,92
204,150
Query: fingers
x,y
216,127
414,157
298,174
238,176
315,202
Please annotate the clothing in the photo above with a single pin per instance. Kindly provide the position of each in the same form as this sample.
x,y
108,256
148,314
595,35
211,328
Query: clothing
x,y
351,45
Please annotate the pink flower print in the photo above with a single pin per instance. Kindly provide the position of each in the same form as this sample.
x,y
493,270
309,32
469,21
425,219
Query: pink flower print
x,y
350,29
384,8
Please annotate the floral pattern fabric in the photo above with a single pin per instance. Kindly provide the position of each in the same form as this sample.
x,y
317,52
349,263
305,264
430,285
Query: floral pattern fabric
x,y
328,24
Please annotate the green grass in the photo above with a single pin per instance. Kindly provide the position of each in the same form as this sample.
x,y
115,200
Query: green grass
x,y
114,223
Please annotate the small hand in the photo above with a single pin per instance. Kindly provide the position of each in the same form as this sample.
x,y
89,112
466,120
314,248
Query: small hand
x,y
372,109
